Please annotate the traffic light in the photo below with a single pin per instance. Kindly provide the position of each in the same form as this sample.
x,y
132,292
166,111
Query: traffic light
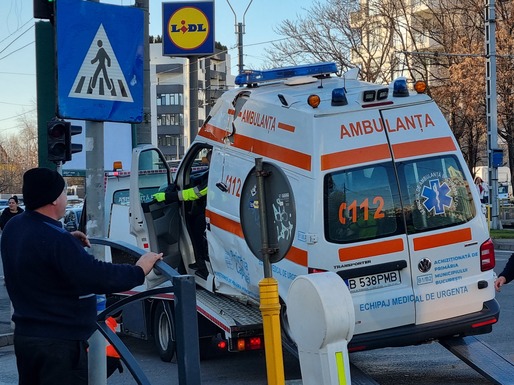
x,y
60,148
44,9
57,140
72,148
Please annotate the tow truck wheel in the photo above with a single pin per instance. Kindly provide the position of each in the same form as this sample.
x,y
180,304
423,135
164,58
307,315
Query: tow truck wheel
x,y
284,323
164,331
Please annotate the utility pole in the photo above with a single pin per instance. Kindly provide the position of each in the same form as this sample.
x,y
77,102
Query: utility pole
x,y
240,30
143,130
491,109
95,227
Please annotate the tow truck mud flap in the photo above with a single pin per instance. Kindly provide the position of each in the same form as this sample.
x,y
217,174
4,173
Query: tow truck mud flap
x,y
482,358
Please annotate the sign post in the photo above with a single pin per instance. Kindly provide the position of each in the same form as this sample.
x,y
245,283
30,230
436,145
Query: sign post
x,y
276,230
188,30
100,60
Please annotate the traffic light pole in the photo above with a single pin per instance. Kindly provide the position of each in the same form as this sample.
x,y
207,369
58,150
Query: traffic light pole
x,y
95,227
491,110
45,80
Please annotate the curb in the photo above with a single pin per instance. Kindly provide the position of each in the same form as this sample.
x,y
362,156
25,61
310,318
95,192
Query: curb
x,y
6,339
503,244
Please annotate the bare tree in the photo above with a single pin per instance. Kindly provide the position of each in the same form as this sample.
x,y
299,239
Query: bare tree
x,y
333,31
439,41
18,154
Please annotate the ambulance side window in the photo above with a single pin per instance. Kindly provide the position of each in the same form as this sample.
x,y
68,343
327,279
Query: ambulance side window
x,y
361,203
153,174
435,193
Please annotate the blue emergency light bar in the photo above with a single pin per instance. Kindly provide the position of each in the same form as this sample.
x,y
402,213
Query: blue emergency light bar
x,y
252,77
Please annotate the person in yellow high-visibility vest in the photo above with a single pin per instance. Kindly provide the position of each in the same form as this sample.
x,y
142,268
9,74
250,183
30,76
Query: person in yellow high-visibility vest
x,y
198,223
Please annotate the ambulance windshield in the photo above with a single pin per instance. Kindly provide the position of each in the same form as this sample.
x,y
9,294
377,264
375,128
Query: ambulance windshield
x,y
435,193
374,202
361,203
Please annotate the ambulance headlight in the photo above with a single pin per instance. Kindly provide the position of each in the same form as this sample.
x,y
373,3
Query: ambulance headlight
x,y
339,97
400,87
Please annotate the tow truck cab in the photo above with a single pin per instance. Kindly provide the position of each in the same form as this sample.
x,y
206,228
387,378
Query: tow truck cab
x,y
379,193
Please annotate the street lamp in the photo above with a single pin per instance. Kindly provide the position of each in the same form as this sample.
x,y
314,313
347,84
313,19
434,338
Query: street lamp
x,y
239,32
491,109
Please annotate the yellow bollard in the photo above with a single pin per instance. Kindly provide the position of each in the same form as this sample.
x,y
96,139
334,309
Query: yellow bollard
x,y
270,309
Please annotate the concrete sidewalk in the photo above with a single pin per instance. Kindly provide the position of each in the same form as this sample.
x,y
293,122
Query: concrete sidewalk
x,y
6,331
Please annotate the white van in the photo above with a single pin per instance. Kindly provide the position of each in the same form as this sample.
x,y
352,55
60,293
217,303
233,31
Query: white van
x,y
370,184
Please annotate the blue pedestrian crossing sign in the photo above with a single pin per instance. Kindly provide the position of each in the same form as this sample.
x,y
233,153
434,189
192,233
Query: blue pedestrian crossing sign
x,y
100,56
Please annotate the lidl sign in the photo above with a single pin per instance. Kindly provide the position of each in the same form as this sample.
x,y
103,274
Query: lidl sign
x,y
188,28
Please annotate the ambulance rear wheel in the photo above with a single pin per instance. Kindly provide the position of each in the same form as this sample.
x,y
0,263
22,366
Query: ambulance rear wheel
x,y
164,331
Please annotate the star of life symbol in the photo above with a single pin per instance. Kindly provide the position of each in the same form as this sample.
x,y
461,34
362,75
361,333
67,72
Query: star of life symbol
x,y
100,76
436,196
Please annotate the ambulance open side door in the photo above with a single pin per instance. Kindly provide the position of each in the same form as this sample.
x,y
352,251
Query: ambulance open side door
x,y
156,226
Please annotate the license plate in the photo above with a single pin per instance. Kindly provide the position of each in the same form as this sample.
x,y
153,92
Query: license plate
x,y
374,281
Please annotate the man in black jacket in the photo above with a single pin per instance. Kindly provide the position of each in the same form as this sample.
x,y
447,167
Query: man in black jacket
x,y
52,282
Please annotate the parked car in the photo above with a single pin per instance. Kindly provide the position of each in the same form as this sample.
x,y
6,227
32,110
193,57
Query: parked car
x,y
4,203
71,218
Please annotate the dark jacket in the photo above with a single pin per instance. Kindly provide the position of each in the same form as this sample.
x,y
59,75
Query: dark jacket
x,y
6,215
52,280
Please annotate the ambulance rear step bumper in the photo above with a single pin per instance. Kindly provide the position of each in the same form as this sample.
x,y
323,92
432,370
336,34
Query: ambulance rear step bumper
x,y
418,334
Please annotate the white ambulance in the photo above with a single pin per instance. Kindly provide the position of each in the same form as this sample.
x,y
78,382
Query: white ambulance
x,y
369,183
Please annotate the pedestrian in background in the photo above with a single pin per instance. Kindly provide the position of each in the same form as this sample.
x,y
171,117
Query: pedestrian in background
x,y
11,211
483,190
52,282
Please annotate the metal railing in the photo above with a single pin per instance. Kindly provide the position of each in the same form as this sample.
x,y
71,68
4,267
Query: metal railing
x,y
186,325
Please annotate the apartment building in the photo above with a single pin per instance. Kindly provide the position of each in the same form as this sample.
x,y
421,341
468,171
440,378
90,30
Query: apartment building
x,y
398,38
171,106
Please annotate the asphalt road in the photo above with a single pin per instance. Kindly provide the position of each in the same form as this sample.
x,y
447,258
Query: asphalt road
x,y
428,364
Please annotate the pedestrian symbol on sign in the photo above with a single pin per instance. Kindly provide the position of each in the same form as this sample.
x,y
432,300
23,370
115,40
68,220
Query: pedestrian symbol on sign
x,y
94,80
101,57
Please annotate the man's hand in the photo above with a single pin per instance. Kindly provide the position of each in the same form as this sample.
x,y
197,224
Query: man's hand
x,y
147,261
500,281
159,197
82,238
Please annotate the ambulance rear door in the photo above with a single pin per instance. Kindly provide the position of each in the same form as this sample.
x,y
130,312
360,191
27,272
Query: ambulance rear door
x,y
363,221
444,232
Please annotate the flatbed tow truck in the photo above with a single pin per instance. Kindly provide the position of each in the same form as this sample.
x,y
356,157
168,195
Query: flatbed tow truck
x,y
373,186
237,321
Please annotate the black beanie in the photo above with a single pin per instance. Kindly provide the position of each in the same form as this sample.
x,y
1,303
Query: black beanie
x,y
41,186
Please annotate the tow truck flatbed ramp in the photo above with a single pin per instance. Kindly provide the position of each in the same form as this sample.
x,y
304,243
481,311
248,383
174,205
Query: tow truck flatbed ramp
x,y
482,358
231,315
359,377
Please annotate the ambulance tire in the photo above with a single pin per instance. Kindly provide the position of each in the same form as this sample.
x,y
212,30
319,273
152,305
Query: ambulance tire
x,y
164,331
